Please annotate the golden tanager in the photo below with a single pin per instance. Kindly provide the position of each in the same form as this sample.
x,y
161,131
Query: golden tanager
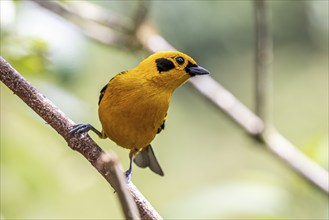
x,y
133,105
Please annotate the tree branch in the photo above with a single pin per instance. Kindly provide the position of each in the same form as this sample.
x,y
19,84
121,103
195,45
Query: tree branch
x,y
152,41
106,164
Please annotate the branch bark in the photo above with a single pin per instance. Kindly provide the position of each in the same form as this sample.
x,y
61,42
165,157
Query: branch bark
x,y
133,203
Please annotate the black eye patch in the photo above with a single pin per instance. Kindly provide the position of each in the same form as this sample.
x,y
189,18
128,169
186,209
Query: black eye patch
x,y
164,65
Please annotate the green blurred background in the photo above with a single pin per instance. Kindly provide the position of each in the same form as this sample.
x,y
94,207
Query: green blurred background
x,y
213,170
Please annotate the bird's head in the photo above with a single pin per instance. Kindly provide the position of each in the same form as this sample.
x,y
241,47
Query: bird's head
x,y
169,69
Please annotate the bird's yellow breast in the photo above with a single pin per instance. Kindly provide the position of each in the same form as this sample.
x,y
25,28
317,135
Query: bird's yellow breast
x,y
132,110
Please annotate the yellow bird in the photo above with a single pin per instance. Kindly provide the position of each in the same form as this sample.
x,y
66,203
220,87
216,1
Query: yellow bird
x,y
133,105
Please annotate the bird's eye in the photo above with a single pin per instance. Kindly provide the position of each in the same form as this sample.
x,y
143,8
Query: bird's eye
x,y
180,60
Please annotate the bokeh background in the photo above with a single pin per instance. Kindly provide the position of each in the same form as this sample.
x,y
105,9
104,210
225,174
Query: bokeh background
x,y
213,170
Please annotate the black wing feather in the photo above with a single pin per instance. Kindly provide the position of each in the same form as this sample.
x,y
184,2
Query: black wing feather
x,y
162,127
102,92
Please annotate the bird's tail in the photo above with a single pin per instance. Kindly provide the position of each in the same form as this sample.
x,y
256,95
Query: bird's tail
x,y
146,158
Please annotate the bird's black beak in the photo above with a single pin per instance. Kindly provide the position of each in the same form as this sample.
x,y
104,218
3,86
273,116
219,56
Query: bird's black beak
x,y
194,70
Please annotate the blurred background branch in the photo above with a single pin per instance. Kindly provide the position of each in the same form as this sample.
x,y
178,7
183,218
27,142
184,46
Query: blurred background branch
x,y
150,40
263,71
263,59
97,23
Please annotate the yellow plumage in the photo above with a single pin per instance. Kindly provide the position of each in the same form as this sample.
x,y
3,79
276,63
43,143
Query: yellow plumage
x,y
134,104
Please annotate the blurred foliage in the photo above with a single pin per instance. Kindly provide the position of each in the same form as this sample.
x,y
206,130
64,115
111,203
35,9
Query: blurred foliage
x,y
25,53
212,169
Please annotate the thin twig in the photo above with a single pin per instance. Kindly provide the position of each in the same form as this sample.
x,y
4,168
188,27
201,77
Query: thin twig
x,y
106,164
263,61
110,166
147,212
224,100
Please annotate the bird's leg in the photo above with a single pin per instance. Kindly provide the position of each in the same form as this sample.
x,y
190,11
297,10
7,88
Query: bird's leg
x,y
129,171
84,128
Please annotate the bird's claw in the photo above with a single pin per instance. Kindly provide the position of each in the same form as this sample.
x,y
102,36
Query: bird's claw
x,y
128,175
80,128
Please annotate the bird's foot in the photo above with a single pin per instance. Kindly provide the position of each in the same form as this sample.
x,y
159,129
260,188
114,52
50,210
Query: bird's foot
x,y
80,128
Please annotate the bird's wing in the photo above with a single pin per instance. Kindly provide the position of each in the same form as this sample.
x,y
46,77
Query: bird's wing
x,y
162,127
146,158
102,92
